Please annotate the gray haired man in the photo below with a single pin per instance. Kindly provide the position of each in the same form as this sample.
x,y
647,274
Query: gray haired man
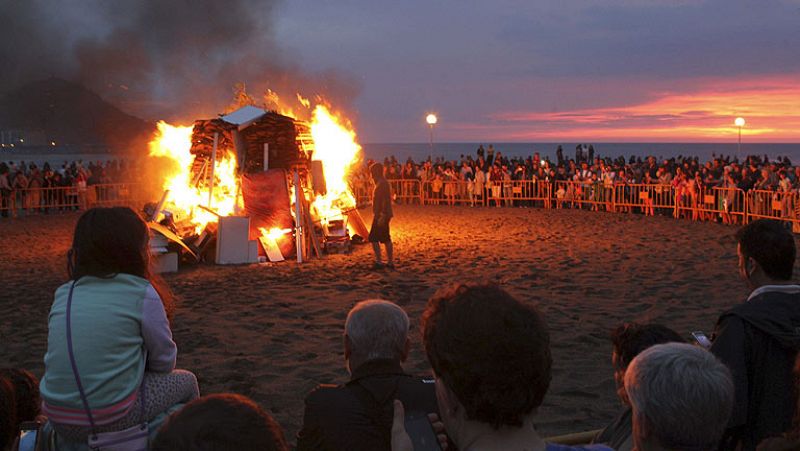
x,y
681,396
358,415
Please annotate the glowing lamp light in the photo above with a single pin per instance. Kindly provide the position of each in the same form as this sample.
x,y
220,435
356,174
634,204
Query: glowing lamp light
x,y
431,119
739,122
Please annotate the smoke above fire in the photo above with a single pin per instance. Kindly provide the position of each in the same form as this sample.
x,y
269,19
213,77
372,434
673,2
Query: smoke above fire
x,y
165,59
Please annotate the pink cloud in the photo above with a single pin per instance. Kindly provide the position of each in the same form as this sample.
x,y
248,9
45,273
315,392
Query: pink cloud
x,y
702,110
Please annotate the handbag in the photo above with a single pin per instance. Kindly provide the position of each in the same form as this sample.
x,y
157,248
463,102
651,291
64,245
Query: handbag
x,y
131,439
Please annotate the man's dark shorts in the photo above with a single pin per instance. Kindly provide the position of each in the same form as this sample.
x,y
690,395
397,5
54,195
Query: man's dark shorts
x,y
379,233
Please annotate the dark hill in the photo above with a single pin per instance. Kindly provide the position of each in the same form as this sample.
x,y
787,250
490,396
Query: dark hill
x,y
69,114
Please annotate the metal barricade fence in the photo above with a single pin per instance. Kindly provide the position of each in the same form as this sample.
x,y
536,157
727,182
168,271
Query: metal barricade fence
x,y
68,198
403,190
526,193
503,193
115,194
643,198
633,197
780,205
728,204
406,191
732,205
574,194
450,192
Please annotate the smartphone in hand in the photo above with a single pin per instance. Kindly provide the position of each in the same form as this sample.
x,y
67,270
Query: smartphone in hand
x,y
420,429
701,339
28,435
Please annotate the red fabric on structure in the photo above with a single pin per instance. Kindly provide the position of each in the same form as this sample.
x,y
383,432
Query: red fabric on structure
x,y
266,201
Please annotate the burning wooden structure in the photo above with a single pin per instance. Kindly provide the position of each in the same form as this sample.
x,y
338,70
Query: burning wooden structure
x,y
277,181
261,139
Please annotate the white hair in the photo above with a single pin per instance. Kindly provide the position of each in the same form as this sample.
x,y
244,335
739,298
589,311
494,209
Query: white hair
x,y
377,329
681,395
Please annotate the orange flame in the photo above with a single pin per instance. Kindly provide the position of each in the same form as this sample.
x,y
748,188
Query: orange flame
x,y
335,146
274,233
185,197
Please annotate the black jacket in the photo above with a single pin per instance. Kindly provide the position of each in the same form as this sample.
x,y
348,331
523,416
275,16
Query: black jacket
x,y
382,199
758,341
358,415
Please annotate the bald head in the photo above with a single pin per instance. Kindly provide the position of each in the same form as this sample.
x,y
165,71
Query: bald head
x,y
376,329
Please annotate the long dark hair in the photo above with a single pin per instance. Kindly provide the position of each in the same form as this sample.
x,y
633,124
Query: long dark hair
x,y
111,241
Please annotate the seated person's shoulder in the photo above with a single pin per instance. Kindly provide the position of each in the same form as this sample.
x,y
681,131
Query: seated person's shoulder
x,y
418,383
323,392
418,393
415,392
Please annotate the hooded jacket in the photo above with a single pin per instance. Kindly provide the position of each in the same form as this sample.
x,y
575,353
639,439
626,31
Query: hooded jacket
x,y
758,341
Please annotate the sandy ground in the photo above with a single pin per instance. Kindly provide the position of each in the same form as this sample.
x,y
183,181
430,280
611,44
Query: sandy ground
x,y
273,332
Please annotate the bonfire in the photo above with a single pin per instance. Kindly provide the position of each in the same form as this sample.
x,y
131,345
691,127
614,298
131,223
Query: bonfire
x,y
214,163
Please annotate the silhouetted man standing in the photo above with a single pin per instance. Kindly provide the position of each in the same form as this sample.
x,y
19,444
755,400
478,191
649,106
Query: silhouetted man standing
x,y
382,214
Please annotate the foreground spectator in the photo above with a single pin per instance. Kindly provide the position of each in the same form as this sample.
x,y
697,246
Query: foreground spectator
x,y
26,393
491,357
19,403
220,422
8,414
358,415
681,397
108,328
628,341
759,338
790,441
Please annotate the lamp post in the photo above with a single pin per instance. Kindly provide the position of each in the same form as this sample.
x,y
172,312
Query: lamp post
x,y
431,119
739,122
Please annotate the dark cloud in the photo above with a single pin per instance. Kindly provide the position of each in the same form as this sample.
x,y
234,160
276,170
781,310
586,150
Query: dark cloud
x,y
657,39
159,58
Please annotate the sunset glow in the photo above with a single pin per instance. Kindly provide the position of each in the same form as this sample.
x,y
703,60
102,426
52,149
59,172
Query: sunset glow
x,y
706,113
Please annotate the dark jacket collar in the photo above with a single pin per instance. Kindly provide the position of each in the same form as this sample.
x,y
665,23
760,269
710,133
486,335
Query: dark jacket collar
x,y
377,367
773,312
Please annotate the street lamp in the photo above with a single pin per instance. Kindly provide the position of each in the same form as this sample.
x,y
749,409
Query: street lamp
x,y
431,119
739,122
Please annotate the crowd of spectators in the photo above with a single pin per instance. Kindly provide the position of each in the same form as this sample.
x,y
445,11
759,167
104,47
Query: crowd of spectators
x,y
487,177
25,185
490,355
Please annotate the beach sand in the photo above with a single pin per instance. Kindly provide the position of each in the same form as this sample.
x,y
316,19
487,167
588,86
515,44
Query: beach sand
x,y
273,332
